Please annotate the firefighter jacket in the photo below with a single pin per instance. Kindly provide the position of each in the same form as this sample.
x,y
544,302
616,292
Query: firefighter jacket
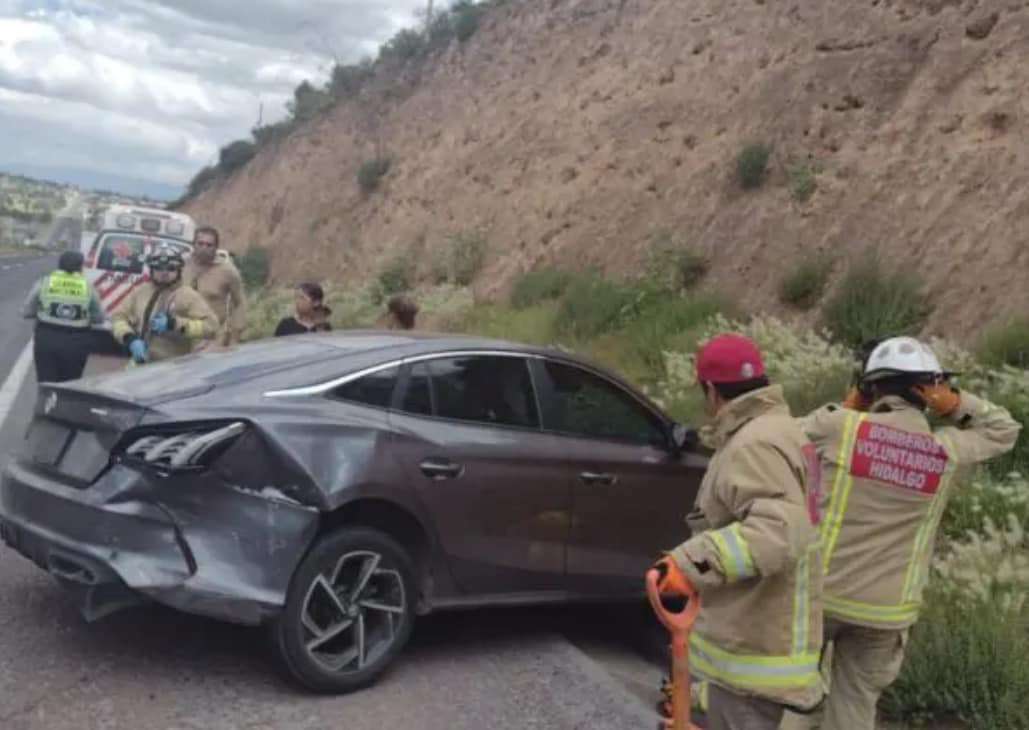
x,y
221,286
194,320
759,632
888,477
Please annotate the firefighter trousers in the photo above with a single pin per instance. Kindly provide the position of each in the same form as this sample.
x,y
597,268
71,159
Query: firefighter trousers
x,y
860,665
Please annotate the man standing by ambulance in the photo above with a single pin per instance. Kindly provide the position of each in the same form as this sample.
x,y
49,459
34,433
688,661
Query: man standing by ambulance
x,y
218,281
890,476
754,552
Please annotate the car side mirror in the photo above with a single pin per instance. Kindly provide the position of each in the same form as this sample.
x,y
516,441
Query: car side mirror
x,y
683,438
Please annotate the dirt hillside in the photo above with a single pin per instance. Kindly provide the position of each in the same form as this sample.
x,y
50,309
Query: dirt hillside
x,y
572,132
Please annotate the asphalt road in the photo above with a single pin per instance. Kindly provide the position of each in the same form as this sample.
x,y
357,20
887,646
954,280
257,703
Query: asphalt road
x,y
17,274
575,667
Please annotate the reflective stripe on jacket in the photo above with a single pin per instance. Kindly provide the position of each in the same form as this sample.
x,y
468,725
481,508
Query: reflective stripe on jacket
x,y
194,320
889,477
760,628
64,300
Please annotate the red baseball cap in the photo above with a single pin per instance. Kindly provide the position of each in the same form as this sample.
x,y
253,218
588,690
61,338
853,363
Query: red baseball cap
x,y
729,359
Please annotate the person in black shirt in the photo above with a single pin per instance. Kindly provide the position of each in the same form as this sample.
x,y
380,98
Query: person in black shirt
x,y
307,303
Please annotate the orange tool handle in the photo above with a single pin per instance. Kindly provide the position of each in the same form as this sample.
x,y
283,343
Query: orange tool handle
x,y
679,625
676,622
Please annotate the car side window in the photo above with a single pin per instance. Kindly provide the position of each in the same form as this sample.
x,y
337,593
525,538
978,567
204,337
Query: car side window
x,y
486,389
584,404
418,395
374,389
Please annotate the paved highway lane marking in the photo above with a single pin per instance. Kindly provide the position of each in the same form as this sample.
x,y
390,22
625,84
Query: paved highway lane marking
x,y
15,379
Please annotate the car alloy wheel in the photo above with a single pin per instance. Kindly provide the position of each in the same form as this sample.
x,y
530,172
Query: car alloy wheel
x,y
352,615
349,611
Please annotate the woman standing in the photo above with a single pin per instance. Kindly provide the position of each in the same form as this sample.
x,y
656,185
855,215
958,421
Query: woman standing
x,y
307,302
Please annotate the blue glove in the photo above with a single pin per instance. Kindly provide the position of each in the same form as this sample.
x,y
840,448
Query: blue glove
x,y
139,350
161,323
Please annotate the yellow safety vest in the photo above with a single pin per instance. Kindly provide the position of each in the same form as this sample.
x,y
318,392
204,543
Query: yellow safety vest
x,y
64,300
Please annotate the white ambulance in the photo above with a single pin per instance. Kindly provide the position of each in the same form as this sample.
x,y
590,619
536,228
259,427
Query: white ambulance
x,y
116,260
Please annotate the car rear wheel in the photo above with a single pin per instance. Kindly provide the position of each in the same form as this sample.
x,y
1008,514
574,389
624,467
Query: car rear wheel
x,y
349,611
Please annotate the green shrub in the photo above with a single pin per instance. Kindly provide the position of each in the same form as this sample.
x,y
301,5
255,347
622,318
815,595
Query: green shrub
x,y
201,181
985,498
802,182
265,308
371,173
535,287
752,165
874,302
534,325
1007,344
268,133
348,79
1011,390
674,266
308,102
254,266
404,46
233,156
660,322
395,278
466,257
966,659
465,19
1005,385
593,305
441,30
805,285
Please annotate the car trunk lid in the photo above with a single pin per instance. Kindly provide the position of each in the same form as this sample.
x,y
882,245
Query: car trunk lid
x,y
72,432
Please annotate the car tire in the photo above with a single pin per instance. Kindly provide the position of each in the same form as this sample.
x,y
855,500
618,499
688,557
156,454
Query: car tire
x,y
338,642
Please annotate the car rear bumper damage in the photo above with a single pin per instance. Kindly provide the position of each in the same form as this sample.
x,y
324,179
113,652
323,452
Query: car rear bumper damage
x,y
188,541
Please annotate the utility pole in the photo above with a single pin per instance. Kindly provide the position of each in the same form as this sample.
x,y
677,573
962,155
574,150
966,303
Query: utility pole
x,y
428,15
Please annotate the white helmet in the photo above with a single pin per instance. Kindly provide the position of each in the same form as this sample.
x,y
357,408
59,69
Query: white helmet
x,y
902,356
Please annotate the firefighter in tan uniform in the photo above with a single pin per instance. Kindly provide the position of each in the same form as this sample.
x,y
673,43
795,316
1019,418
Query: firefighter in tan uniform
x,y
163,318
888,477
754,552
218,281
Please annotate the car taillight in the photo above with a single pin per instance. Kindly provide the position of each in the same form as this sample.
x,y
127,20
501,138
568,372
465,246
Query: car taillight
x,y
192,448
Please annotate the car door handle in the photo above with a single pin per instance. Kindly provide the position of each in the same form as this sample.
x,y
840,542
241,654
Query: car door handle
x,y
441,469
589,477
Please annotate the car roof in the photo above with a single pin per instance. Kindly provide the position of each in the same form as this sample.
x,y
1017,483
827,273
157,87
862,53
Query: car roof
x,y
388,344
417,342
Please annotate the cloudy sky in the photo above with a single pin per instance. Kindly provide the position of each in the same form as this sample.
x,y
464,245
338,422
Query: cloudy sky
x,y
150,89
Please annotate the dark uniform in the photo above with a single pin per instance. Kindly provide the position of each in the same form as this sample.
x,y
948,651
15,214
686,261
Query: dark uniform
x,y
64,305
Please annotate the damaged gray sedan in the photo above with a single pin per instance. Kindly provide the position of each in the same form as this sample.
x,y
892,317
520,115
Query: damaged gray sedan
x,y
333,487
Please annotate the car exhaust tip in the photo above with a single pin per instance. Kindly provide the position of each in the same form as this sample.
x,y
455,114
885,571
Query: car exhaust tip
x,y
97,592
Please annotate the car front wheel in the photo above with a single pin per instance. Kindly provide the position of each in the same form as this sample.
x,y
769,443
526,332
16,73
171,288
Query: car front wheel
x,y
349,611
